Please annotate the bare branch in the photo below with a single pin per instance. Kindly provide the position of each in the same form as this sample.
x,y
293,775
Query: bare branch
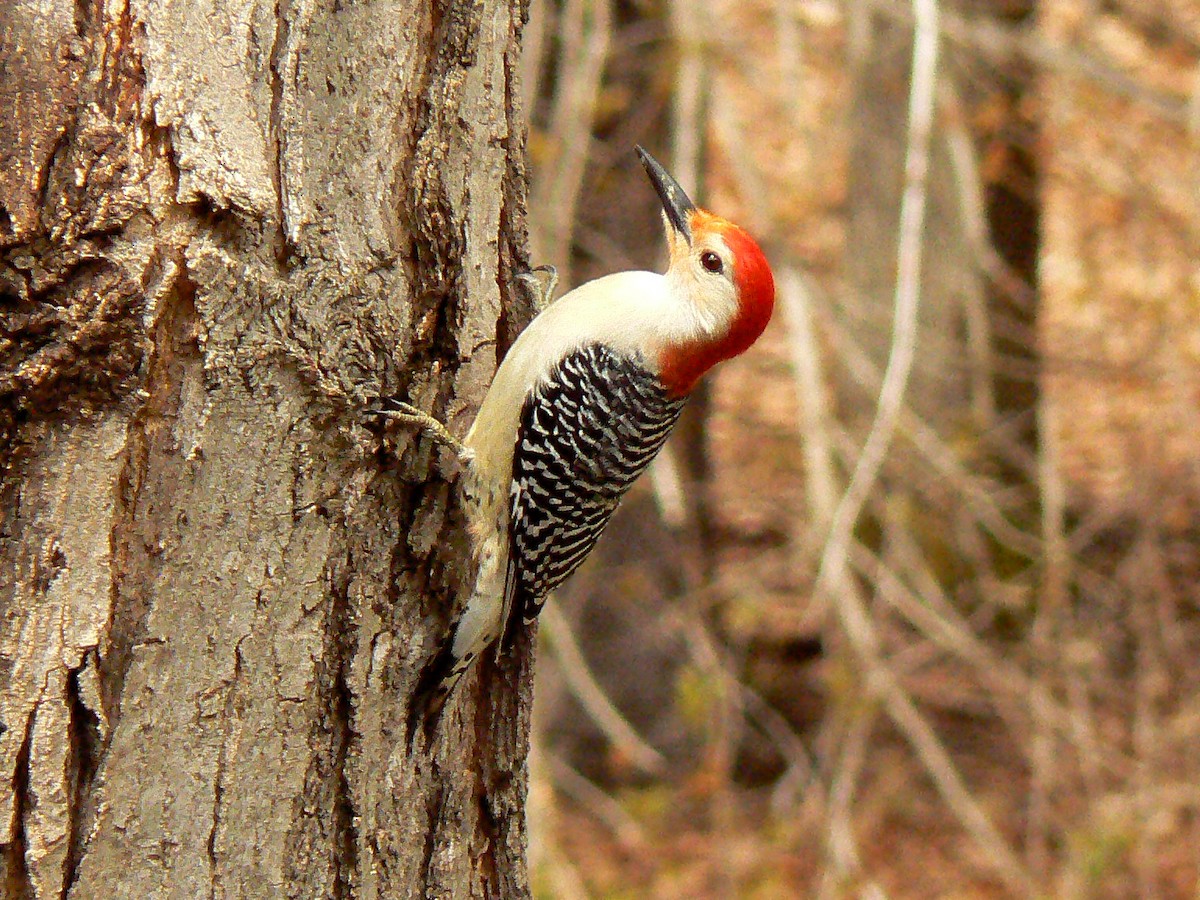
x,y
584,687
585,31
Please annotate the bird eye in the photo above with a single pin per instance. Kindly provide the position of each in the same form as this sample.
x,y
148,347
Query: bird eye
x,y
711,262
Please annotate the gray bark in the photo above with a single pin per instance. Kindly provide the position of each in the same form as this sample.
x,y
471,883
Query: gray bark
x,y
224,228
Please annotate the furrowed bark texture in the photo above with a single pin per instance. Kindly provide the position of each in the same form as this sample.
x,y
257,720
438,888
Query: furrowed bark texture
x,y
224,229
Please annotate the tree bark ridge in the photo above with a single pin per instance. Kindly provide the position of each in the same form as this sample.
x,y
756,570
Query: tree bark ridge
x,y
235,231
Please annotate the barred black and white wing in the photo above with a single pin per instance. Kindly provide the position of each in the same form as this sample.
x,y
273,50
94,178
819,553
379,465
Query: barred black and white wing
x,y
584,437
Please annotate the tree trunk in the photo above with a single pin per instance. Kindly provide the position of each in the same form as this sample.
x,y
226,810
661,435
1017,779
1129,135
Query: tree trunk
x,y
224,228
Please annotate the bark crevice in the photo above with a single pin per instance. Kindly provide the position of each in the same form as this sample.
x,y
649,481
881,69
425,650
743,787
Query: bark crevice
x,y
341,718
275,131
152,473
84,734
19,884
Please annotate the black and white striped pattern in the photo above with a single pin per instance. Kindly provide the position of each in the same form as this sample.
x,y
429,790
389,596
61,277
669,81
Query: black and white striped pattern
x,y
584,438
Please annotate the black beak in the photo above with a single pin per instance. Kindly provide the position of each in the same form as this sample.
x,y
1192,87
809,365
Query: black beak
x,y
675,202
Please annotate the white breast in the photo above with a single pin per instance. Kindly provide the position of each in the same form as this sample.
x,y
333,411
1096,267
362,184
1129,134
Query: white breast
x,y
634,312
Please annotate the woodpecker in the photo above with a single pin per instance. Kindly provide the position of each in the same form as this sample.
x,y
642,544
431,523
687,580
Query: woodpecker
x,y
584,399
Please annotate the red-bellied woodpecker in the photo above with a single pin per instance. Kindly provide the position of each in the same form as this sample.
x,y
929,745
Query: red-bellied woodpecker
x,y
582,402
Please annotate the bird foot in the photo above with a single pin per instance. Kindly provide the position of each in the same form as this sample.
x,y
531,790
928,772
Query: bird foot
x,y
399,411
543,294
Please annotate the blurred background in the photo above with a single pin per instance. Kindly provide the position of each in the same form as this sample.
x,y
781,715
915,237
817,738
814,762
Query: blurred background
x,y
910,605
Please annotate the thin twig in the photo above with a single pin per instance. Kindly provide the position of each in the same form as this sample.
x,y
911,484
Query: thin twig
x,y
906,300
689,20
1044,637
843,846
585,30
534,46
832,574
591,696
986,37
932,615
935,451
546,854
965,169
799,773
591,798
820,477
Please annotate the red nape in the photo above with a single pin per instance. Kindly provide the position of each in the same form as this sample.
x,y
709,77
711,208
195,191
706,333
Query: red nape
x,y
682,367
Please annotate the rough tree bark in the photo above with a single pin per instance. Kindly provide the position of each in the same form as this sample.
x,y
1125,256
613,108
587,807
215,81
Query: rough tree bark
x,y
224,227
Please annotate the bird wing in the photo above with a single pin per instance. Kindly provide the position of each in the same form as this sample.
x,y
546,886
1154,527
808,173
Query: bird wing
x,y
585,435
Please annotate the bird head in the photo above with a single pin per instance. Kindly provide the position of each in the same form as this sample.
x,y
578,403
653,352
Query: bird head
x,y
723,276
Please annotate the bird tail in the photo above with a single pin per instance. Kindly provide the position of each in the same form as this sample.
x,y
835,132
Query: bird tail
x,y
479,625
434,687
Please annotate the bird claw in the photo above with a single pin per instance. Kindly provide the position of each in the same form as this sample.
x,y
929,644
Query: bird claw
x,y
543,296
399,411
